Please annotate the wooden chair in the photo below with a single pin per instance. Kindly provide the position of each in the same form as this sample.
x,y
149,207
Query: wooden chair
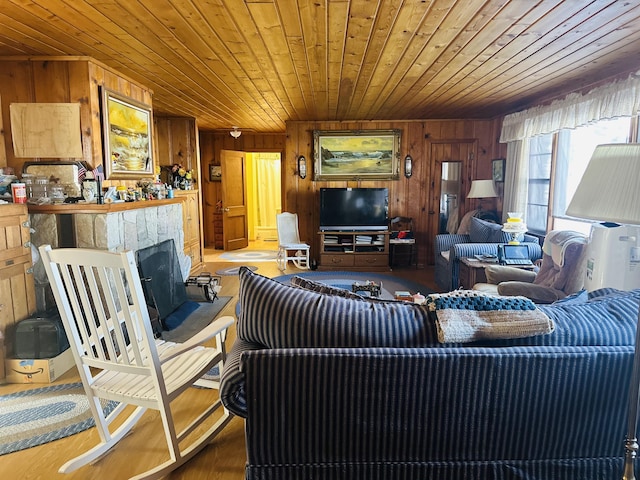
x,y
100,299
289,245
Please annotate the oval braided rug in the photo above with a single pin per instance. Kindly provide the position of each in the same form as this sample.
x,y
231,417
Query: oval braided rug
x,y
41,415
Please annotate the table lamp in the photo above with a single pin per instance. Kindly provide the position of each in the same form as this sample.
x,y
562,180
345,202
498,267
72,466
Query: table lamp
x,y
482,189
608,191
485,191
514,227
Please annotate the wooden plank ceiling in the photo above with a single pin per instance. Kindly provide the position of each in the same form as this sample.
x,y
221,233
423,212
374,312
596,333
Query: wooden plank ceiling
x,y
259,63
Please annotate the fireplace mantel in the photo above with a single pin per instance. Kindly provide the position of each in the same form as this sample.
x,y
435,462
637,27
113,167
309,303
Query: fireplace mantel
x,y
115,227
83,207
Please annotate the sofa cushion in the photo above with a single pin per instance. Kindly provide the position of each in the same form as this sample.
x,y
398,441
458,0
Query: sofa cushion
x,y
282,316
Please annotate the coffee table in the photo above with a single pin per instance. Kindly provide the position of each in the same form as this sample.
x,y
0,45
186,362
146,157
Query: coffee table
x,y
472,271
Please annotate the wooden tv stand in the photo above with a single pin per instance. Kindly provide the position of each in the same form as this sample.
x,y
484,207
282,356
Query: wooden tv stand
x,y
343,250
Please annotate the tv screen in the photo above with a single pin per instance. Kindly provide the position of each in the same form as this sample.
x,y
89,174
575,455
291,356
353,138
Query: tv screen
x,y
354,208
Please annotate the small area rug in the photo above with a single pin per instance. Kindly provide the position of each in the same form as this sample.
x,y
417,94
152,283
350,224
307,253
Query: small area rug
x,y
390,284
233,271
41,415
196,320
249,256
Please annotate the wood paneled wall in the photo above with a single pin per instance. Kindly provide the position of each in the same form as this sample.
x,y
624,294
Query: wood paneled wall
x,y
78,79
416,197
211,143
63,80
428,142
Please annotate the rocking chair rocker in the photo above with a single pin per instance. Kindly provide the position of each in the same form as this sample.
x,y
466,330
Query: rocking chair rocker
x,y
102,305
289,245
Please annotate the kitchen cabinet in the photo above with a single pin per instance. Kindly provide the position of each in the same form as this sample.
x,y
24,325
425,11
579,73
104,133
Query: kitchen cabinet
x,y
17,290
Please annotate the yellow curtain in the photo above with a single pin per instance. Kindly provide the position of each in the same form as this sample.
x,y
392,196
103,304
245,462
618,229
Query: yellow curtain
x,y
268,189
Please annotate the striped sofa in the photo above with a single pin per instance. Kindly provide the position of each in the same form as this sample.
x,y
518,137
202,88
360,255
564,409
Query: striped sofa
x,y
347,388
483,239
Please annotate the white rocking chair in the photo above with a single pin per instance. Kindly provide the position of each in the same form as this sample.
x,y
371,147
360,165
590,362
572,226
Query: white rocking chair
x,y
289,245
101,302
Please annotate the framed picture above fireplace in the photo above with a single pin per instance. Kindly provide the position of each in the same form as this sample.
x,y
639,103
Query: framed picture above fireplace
x,y
127,136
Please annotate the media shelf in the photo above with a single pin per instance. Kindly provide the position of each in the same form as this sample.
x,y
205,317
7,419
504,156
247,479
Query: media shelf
x,y
354,250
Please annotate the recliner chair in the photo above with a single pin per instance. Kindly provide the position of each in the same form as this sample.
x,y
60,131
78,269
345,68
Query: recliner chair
x,y
561,273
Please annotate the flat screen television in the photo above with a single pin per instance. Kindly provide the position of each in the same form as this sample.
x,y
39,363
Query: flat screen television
x,y
354,209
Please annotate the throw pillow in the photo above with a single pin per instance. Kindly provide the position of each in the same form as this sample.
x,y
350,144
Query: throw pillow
x,y
481,231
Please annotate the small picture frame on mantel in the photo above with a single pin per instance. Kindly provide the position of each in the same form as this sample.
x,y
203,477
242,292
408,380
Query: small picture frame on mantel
x,y
497,169
215,173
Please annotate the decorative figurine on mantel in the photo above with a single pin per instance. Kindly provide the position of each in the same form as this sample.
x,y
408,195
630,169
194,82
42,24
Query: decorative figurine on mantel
x,y
181,178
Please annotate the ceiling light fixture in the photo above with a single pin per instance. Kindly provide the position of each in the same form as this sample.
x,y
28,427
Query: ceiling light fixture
x,y
235,133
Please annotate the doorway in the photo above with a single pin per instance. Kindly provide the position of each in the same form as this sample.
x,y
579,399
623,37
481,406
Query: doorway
x,y
264,196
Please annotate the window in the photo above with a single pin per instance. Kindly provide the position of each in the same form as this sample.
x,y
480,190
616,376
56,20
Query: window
x,y
540,155
573,151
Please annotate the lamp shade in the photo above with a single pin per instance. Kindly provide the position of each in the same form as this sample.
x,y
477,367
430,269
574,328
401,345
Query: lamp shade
x,y
609,191
482,189
609,188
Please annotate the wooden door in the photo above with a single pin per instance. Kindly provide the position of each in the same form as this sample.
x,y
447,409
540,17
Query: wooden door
x,y
234,200
440,151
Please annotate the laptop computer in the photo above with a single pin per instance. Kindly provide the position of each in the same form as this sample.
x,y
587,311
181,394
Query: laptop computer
x,y
516,255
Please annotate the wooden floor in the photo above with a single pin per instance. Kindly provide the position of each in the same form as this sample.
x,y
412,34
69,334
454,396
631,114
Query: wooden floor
x,y
223,459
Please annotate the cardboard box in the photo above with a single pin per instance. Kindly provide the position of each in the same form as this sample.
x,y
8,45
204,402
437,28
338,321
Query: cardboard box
x,y
45,370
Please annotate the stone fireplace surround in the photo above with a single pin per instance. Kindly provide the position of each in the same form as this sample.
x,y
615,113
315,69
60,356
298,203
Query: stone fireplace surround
x,y
115,227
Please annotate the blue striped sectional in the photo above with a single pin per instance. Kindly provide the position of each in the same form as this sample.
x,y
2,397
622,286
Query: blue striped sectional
x,y
459,246
343,388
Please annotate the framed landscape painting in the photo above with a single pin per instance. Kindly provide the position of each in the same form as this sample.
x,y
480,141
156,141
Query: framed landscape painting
x,y
356,154
126,129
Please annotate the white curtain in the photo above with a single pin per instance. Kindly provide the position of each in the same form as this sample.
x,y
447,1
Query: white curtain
x,y
616,99
516,180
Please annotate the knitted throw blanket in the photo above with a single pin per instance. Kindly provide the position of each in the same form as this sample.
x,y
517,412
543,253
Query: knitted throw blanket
x,y
467,315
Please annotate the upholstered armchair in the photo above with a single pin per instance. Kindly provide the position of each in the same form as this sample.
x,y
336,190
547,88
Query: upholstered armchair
x,y
561,273
483,239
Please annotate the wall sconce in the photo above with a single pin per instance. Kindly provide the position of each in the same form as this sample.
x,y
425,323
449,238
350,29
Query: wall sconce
x,y
235,133
302,166
408,166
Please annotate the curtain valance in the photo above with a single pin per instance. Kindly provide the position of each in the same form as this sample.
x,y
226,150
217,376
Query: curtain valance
x,y
616,99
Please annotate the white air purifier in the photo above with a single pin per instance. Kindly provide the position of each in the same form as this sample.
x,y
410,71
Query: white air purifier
x,y
613,257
